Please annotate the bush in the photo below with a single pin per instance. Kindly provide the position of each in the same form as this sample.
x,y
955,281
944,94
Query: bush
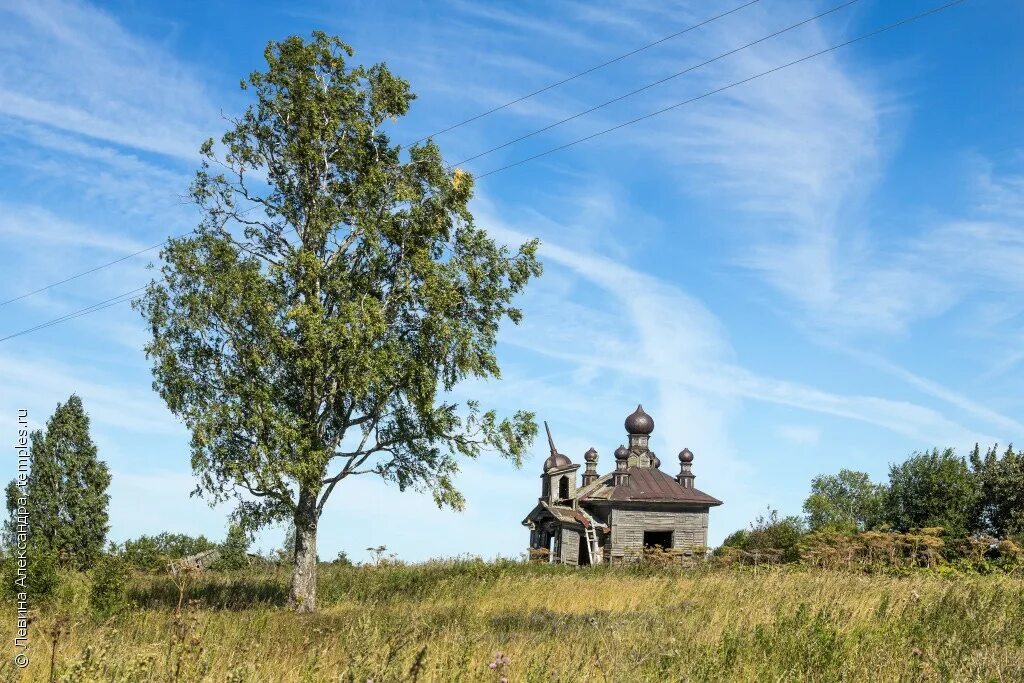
x,y
109,584
41,580
234,551
152,553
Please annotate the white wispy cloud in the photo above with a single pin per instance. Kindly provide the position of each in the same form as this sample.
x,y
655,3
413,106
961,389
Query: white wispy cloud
x,y
46,229
73,67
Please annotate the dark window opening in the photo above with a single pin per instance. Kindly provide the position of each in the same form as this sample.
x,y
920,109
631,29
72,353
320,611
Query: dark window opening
x,y
658,539
563,487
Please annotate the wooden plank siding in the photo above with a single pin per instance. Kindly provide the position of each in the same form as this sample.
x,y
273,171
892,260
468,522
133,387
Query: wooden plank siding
x,y
689,529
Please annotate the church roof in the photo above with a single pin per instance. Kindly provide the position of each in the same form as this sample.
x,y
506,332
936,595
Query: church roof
x,y
646,484
561,513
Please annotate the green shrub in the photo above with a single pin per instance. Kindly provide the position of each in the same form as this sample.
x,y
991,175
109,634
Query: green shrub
x,y
234,551
109,584
152,553
770,538
41,579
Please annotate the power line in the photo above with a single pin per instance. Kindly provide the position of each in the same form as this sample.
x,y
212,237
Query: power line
x,y
99,306
659,82
450,128
907,20
121,298
584,73
84,272
523,137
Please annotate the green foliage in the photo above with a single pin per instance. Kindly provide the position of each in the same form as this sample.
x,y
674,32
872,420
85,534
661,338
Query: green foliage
x,y
66,493
771,538
450,618
737,539
40,580
152,553
1001,480
109,582
334,292
234,551
847,501
778,533
933,489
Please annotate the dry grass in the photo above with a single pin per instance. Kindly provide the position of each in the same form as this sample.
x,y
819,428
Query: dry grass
x,y
446,622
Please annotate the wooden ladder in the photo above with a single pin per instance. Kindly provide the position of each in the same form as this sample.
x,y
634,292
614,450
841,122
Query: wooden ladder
x,y
591,535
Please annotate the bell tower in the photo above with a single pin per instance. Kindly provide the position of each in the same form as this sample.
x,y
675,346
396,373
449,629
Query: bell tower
x,y
559,476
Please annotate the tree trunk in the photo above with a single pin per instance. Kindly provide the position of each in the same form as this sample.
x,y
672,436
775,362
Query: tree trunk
x,y
303,591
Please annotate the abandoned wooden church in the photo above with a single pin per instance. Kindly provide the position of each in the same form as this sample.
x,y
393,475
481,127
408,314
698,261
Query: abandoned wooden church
x,y
612,518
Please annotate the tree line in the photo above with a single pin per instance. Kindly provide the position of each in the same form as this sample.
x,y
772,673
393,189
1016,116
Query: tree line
x,y
935,499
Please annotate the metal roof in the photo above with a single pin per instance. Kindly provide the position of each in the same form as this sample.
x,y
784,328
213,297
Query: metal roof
x,y
646,484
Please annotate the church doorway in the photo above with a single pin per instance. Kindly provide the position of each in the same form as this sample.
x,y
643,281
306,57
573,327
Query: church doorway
x,y
583,559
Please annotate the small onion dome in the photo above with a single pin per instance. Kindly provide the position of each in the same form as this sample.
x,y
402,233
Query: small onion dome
x,y
590,455
621,453
639,422
685,456
655,461
556,460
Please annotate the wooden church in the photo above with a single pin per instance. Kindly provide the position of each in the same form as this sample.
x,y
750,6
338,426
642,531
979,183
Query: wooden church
x,y
613,517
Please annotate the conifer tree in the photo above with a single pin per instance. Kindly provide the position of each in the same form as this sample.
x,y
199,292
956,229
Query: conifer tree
x,y
66,490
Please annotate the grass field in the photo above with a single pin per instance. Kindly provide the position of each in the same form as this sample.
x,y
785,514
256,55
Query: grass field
x,y
448,622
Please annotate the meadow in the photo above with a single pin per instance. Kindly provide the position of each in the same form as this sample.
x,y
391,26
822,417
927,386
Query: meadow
x,y
469,620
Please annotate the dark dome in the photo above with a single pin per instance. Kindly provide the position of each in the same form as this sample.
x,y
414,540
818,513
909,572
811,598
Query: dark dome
x,y
639,422
685,455
655,461
556,460
590,455
621,453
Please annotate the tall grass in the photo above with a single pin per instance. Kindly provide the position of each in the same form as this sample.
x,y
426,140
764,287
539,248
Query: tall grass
x,y
448,621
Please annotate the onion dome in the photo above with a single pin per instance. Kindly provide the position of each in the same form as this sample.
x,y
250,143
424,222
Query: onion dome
x,y
639,422
621,453
556,460
655,461
685,456
590,455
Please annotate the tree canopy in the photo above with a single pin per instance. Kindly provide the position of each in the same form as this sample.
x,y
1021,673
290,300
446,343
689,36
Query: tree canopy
x,y
336,291
932,489
1001,483
847,501
66,493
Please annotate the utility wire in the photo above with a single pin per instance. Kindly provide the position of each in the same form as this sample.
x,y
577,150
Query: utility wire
x,y
658,82
583,73
84,272
121,298
523,137
863,36
99,306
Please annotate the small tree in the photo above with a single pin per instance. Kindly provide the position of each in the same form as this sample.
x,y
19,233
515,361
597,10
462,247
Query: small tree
x,y
847,501
933,489
335,291
234,551
66,493
775,536
1001,481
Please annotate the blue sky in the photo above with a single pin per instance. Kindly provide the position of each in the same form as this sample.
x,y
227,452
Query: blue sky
x,y
819,269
